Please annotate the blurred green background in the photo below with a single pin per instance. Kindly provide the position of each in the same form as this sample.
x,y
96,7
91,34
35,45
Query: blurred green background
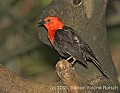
x,y
23,53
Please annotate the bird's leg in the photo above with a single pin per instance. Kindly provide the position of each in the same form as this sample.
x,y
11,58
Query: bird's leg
x,y
69,58
73,61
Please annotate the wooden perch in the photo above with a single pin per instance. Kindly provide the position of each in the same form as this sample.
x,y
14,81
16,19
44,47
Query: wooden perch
x,y
68,76
12,83
71,82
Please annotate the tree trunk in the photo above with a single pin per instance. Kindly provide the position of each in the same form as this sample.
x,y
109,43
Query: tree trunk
x,y
88,18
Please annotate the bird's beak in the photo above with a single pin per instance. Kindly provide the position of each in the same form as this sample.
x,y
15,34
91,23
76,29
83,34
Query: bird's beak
x,y
41,23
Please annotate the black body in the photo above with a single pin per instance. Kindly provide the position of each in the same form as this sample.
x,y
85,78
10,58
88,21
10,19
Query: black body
x,y
68,43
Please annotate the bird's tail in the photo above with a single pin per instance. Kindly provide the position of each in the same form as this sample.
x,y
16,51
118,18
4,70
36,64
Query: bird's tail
x,y
100,68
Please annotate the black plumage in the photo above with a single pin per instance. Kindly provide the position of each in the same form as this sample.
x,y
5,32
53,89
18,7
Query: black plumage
x,y
69,44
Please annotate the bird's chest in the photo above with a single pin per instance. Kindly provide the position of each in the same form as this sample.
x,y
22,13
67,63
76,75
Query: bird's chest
x,y
51,36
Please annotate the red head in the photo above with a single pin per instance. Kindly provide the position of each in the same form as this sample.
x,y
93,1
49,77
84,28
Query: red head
x,y
52,24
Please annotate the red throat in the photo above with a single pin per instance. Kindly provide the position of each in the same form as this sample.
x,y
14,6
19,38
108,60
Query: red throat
x,y
52,26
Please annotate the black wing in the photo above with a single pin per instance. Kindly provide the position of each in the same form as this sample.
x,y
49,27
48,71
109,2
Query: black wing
x,y
67,43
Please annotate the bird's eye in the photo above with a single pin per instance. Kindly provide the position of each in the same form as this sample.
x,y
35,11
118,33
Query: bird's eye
x,y
48,20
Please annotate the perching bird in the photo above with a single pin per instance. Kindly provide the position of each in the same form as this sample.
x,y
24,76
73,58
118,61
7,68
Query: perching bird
x,y
68,43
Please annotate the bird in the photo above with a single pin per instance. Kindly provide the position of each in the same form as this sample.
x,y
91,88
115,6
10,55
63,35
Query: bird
x,y
68,43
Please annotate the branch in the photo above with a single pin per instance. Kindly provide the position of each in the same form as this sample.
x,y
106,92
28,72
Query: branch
x,y
71,82
68,76
12,83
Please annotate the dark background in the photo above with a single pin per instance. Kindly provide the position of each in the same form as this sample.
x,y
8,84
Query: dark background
x,y
23,53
